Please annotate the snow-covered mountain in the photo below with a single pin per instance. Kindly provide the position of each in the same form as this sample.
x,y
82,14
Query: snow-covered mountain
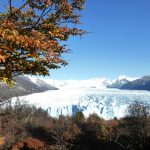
x,y
121,81
124,77
99,83
139,84
23,86
27,85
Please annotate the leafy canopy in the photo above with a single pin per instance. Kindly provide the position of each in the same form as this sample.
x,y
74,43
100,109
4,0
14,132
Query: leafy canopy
x,y
31,35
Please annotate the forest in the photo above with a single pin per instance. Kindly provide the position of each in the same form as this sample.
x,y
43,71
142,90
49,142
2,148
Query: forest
x,y
25,127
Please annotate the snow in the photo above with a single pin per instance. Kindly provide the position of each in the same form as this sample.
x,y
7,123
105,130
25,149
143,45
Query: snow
x,y
121,77
107,103
89,96
99,83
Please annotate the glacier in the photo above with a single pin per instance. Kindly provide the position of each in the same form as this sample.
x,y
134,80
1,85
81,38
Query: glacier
x,y
107,103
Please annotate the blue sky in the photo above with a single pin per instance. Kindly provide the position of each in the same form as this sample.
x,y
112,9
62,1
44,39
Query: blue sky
x,y
118,42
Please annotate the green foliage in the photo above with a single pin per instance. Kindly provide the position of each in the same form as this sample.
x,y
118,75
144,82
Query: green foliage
x,y
95,126
79,117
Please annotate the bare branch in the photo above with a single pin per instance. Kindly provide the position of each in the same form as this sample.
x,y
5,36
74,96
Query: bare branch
x,y
48,10
43,14
27,2
39,17
10,6
117,138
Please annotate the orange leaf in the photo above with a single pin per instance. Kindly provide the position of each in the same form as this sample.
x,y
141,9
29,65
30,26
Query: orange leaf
x,y
48,2
2,58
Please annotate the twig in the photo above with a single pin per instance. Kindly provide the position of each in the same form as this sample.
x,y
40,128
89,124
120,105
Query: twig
x,y
10,6
39,17
19,8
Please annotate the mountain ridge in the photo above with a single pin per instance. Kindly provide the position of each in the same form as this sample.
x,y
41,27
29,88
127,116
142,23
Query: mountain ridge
x,y
100,83
28,84
23,86
139,84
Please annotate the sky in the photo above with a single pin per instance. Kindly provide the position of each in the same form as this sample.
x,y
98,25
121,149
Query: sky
x,y
118,42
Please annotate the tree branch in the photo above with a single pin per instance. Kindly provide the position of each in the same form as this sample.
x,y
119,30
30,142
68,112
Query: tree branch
x,y
27,2
10,6
48,10
117,138
39,17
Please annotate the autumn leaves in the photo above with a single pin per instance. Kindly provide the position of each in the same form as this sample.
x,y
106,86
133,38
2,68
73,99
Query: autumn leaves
x,y
31,35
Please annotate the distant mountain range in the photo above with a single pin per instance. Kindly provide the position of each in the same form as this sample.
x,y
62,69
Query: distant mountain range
x,y
98,83
24,86
129,84
120,81
27,85
139,84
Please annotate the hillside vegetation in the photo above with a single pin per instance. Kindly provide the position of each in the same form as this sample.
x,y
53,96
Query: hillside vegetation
x,y
24,127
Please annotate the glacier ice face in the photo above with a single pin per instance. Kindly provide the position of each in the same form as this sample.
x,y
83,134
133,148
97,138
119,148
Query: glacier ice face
x,y
89,96
107,103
